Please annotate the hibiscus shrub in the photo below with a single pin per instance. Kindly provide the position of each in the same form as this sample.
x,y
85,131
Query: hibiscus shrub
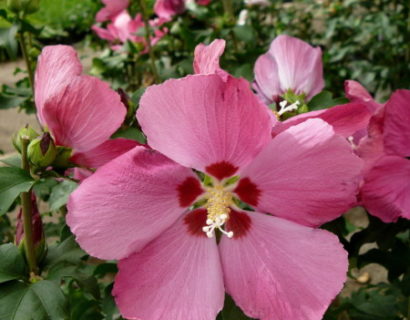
x,y
187,188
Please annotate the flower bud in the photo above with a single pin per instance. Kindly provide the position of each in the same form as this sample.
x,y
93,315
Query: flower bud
x,y
26,133
24,6
37,232
31,6
63,156
15,5
42,151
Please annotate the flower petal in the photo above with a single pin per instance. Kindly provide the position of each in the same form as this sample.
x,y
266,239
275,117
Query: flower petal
x,y
104,34
307,174
85,114
177,276
57,66
386,189
202,121
345,119
293,64
281,270
396,124
207,57
168,8
104,153
127,203
355,92
111,9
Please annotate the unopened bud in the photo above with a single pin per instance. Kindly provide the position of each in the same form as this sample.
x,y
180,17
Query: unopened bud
x,y
62,159
26,133
24,6
31,6
42,151
37,231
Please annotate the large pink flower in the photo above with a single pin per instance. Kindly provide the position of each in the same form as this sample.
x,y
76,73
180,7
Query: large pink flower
x,y
159,217
386,151
290,64
81,112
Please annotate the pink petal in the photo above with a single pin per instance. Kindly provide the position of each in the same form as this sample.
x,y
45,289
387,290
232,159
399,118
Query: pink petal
x,y
355,92
111,9
127,203
104,33
386,189
177,276
168,8
104,153
203,122
397,124
85,114
56,67
306,174
345,119
281,270
290,63
207,57
122,23
203,2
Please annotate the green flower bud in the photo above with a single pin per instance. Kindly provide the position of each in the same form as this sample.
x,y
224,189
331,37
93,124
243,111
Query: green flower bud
x,y
42,151
26,133
31,6
15,5
62,159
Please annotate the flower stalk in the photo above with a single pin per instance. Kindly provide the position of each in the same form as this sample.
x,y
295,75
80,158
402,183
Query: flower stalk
x,y
148,40
27,210
24,50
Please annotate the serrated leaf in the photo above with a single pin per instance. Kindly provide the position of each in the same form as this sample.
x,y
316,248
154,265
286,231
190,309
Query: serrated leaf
x,y
60,193
42,300
13,181
12,265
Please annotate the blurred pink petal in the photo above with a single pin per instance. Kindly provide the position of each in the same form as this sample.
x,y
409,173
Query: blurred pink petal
x,y
168,8
397,124
84,114
127,203
282,270
290,64
104,34
355,92
205,123
386,189
203,2
345,119
206,60
57,66
104,153
176,276
111,10
306,174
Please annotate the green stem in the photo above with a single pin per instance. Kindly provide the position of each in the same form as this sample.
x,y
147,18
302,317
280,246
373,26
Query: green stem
x,y
228,10
26,57
27,209
148,40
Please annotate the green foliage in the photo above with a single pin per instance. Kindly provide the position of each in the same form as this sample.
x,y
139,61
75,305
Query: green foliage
x,y
12,265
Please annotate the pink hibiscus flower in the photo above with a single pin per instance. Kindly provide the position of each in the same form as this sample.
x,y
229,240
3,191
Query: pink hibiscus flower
x,y
385,192
168,8
160,218
81,112
290,64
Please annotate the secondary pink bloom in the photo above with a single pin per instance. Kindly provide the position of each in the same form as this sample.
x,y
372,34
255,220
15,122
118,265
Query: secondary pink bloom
x,y
123,28
144,214
111,10
290,64
81,112
168,8
386,151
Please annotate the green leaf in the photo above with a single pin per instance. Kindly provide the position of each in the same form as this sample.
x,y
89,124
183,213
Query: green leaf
x,y
321,101
13,181
60,193
12,161
130,133
42,300
12,265
67,251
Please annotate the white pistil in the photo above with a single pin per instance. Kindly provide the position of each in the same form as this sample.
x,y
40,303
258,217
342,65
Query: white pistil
x,y
218,209
283,108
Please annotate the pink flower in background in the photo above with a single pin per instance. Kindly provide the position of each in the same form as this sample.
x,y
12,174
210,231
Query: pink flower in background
x,y
81,112
111,9
168,8
385,192
206,58
145,215
290,64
